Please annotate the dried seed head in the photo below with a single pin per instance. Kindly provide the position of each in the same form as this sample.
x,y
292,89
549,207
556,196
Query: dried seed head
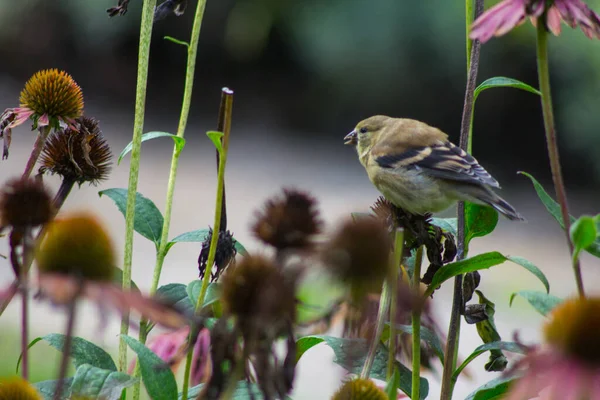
x,y
573,329
54,94
226,252
17,389
359,254
25,203
259,295
79,246
359,389
78,154
288,222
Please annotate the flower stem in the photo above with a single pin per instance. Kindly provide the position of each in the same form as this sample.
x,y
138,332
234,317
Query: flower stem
x,y
416,327
64,363
451,351
398,248
551,141
134,167
28,246
384,306
63,192
38,146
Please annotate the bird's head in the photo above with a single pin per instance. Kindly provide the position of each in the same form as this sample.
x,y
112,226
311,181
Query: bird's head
x,y
366,132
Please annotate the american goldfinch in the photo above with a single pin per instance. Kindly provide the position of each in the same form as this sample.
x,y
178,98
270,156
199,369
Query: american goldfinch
x,y
416,168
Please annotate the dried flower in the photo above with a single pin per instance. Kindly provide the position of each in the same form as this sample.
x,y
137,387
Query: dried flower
x,y
119,9
78,154
568,367
359,254
224,256
17,389
508,14
169,7
25,203
77,245
288,222
359,389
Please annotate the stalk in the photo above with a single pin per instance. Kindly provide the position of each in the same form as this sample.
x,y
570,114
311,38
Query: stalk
x,y
416,327
551,141
398,245
64,363
134,167
38,146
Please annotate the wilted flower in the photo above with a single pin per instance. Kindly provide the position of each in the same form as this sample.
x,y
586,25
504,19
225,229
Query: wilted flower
x,y
119,9
360,389
224,256
24,203
78,154
168,7
508,14
17,389
568,367
288,222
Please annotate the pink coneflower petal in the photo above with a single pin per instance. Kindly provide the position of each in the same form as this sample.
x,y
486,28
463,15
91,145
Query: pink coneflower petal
x,y
575,12
553,21
22,115
502,17
44,120
169,347
201,364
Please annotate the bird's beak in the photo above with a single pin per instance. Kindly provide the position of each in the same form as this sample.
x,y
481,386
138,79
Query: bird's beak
x,y
351,138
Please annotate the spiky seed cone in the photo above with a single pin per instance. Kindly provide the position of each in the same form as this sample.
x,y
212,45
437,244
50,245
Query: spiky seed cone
x,y
573,329
78,154
359,254
288,222
359,389
79,246
54,93
259,295
225,255
17,389
25,203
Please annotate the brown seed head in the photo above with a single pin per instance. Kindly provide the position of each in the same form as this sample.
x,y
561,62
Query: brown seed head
x,y
17,389
359,389
288,222
77,245
259,295
80,155
54,93
25,203
573,329
359,253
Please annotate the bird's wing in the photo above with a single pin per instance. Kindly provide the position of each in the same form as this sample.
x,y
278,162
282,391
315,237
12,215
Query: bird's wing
x,y
443,160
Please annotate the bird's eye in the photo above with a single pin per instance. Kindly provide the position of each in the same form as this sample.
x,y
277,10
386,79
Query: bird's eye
x,y
363,129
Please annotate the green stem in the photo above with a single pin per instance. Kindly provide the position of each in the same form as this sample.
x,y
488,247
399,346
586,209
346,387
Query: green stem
x,y
398,246
559,184
416,327
134,167
38,146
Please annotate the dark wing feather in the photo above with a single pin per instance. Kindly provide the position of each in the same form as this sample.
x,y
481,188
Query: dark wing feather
x,y
444,161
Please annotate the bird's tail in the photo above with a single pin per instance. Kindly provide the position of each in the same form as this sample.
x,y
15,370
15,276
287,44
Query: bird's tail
x,y
499,204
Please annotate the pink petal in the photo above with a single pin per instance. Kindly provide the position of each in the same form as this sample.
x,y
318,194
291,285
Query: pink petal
x,y
498,20
44,120
22,115
201,362
553,20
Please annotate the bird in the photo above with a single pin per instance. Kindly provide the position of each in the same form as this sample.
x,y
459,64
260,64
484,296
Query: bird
x,y
419,170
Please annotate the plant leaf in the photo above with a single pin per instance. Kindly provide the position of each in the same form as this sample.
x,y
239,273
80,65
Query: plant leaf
x,y
583,234
351,353
177,41
493,390
316,296
554,209
199,236
156,374
429,337
507,346
48,388
244,391
213,292
118,280
488,333
215,138
447,224
391,387
98,383
479,262
82,351
176,294
501,81
542,302
148,220
30,345
479,221
179,142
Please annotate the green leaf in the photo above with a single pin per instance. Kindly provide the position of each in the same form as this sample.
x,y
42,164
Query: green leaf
x,y
391,387
495,389
199,236
48,388
148,218
95,383
215,138
351,353
177,41
542,302
429,337
583,234
82,351
488,333
479,262
244,391
447,224
118,280
316,296
176,294
179,142
554,209
156,374
507,346
213,292
479,221
501,81
30,345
